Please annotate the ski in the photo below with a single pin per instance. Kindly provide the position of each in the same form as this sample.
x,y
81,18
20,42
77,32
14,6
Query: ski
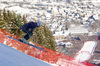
x,y
42,49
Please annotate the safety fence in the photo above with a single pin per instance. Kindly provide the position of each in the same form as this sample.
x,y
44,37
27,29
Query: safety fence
x,y
50,56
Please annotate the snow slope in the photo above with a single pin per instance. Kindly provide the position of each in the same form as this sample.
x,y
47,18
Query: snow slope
x,y
12,57
87,50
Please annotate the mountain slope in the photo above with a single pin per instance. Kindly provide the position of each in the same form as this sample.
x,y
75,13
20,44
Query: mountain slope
x,y
12,57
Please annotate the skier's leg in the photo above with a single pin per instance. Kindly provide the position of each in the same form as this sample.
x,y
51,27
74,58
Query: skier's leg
x,y
24,39
26,36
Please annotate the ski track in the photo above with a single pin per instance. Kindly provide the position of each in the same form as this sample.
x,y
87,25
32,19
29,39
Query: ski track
x,y
12,57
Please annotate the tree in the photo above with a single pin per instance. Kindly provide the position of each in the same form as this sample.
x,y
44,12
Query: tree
x,y
18,22
49,37
41,35
4,14
1,19
1,16
9,15
24,19
44,37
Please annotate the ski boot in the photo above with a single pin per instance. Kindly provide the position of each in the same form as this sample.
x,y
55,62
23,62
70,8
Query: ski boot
x,y
23,40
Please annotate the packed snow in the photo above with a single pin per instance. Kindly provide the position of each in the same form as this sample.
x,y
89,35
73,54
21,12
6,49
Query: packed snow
x,y
85,53
12,57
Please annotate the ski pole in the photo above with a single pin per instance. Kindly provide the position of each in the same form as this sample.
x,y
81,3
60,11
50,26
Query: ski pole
x,y
19,22
17,19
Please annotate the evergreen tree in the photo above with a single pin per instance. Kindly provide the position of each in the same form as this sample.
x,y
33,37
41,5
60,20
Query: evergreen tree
x,y
1,19
17,22
24,19
50,39
4,14
9,15
43,36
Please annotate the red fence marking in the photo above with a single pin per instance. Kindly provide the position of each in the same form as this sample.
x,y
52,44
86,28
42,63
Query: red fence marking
x,y
50,56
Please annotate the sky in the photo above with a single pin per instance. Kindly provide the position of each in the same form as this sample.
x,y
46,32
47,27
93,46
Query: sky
x,y
12,57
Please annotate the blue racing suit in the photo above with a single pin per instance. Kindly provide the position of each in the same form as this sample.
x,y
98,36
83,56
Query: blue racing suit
x,y
28,29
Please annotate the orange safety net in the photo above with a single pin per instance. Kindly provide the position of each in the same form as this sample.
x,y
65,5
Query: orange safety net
x,y
50,56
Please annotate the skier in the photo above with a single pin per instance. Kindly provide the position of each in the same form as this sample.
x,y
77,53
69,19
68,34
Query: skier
x,y
28,29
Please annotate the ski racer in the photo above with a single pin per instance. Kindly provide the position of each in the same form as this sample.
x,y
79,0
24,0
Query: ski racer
x,y
28,29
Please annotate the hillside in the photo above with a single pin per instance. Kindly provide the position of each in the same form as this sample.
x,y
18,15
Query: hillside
x,y
11,57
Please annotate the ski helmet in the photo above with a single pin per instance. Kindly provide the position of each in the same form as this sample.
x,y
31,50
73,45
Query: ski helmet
x,y
38,23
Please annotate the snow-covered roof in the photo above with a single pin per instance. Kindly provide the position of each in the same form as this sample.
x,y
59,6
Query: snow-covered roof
x,y
58,33
48,15
54,25
77,31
